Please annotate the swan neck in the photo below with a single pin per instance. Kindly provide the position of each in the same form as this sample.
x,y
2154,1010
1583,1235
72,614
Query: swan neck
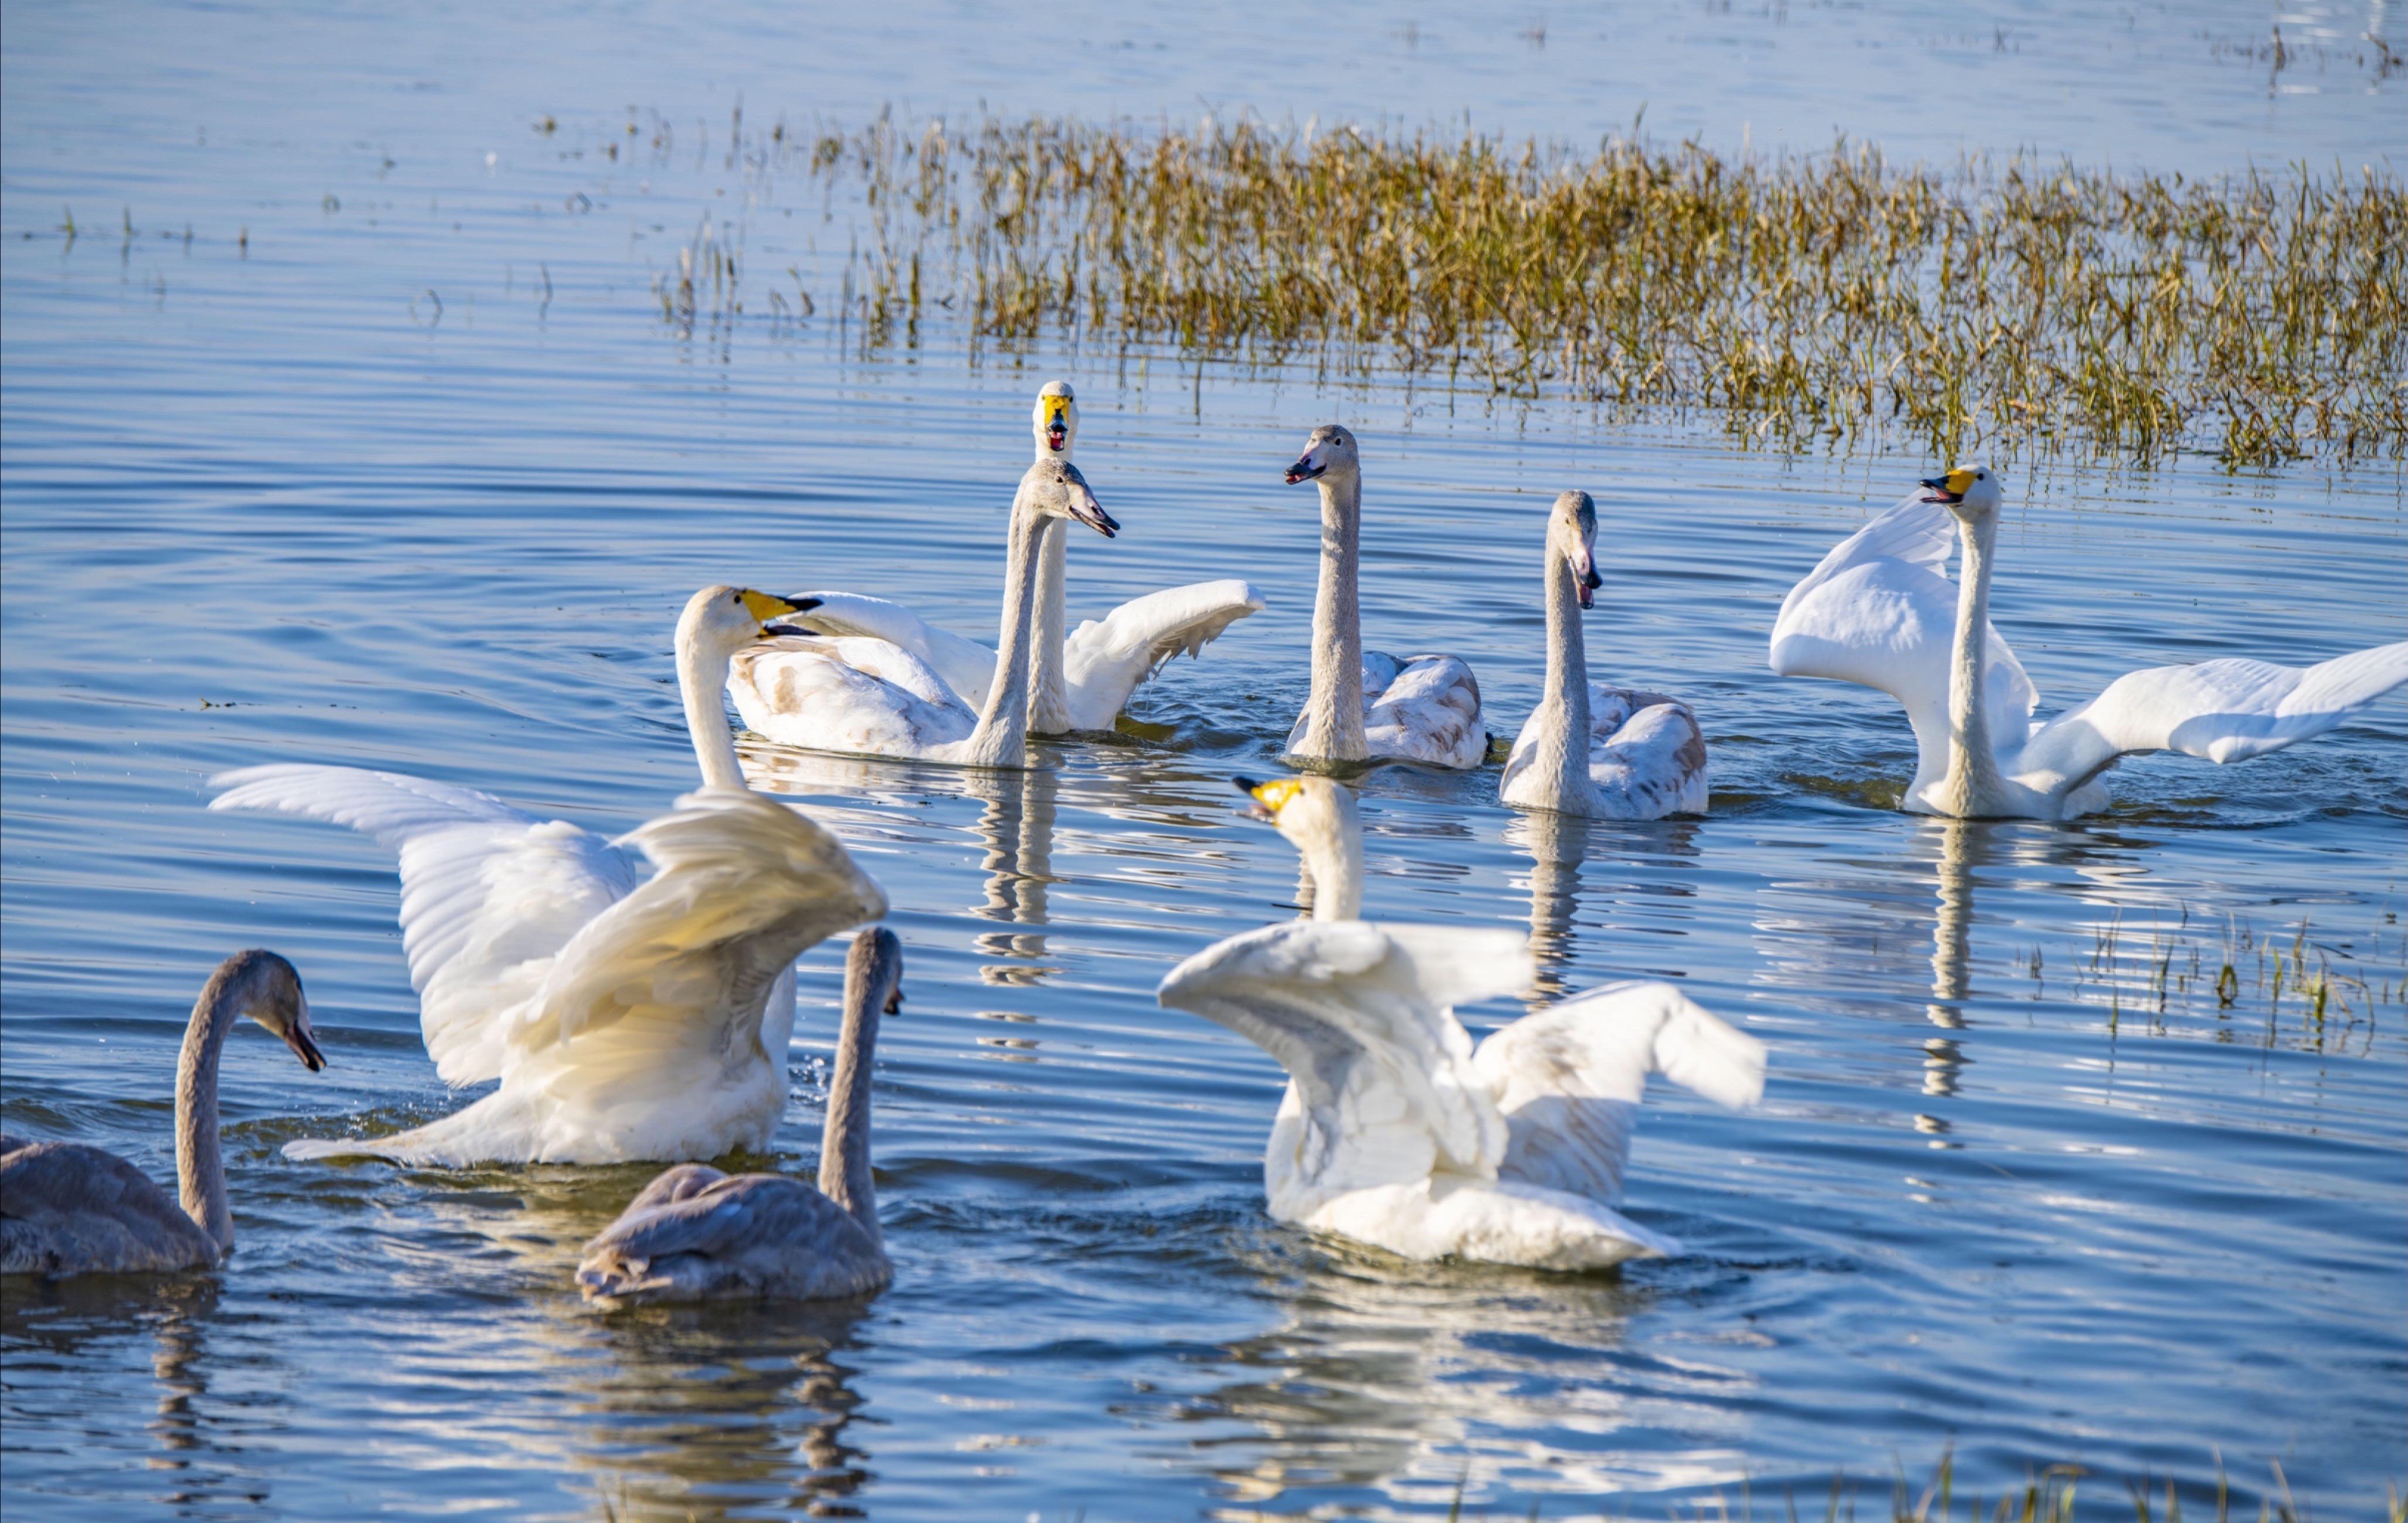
x,y
1333,728
844,1143
1048,702
1336,863
200,1163
1972,777
1003,726
702,683
1559,755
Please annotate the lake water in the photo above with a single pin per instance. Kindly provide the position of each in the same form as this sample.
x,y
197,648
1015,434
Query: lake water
x,y
392,461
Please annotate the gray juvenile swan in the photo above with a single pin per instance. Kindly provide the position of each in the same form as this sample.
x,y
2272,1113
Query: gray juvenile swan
x,y
694,1233
66,1208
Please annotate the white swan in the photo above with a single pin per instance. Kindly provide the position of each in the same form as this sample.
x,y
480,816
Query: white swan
x,y
1079,682
1396,1130
1879,611
66,1208
694,1233
869,697
624,1021
1609,753
1365,705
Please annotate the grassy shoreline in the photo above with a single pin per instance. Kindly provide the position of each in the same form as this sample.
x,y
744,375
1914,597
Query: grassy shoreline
x,y
1827,300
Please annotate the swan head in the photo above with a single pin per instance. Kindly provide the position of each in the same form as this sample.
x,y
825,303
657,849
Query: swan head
x,y
1571,533
722,620
265,988
1330,452
1054,489
1972,493
1317,814
874,969
1055,419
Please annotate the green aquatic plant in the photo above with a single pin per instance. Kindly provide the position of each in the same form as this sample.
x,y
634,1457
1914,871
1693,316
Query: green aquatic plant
x,y
1831,299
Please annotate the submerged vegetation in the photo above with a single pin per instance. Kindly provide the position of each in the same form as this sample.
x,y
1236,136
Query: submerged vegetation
x,y
1838,298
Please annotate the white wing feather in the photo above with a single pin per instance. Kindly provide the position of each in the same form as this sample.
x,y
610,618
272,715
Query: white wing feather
x,y
860,696
1105,660
1361,1017
965,666
2225,710
1569,1079
1423,709
489,895
1881,611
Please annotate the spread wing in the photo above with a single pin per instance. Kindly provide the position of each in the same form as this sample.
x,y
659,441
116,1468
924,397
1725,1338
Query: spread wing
x,y
864,697
1362,1018
964,667
1569,1079
1103,660
2224,710
1881,611
685,963
1426,710
489,895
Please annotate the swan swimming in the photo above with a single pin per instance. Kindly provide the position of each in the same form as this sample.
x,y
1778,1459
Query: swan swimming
x,y
1080,683
1879,611
623,1021
1395,1129
1367,705
1608,753
860,696
68,1208
696,1233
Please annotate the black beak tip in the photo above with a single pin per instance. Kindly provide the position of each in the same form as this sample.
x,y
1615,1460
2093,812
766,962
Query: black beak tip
x,y
895,1003
305,1049
804,605
1246,785
780,629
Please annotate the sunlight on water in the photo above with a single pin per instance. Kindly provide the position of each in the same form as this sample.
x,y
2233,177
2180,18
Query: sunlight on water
x,y
393,461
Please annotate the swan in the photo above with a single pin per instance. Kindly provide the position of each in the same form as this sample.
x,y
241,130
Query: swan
x,y
624,1021
1608,753
863,696
1395,1129
694,1233
1080,683
66,1208
1877,610
1367,706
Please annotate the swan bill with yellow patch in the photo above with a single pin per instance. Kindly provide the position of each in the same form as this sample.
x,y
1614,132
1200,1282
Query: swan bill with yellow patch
x,y
1951,489
1269,797
768,607
1057,410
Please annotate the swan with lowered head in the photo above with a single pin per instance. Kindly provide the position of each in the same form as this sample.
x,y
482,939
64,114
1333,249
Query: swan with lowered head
x,y
1078,682
66,1208
694,1233
866,696
1879,611
1367,705
624,1021
1396,1130
1608,753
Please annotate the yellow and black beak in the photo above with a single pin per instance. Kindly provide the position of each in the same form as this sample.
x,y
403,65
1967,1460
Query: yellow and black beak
x,y
1269,797
1057,423
1950,488
769,608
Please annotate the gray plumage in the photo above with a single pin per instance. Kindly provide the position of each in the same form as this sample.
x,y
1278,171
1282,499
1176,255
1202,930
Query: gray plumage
x,y
697,1233
67,1208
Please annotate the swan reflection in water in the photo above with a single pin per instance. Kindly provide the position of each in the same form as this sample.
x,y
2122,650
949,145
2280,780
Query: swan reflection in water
x,y
1558,845
1406,1380
1015,826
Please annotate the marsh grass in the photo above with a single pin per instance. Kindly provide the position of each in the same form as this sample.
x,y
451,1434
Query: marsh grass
x,y
1836,299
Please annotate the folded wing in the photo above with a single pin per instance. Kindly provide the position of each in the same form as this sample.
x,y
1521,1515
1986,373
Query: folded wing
x,y
489,895
1569,1079
1361,1017
964,665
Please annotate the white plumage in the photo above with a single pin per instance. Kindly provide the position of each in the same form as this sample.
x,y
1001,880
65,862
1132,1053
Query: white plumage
x,y
1395,1129
1879,611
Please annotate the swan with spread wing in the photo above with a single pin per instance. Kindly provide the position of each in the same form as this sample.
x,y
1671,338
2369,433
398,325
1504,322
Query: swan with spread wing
x,y
1879,611
623,1020
1079,680
1396,1130
1608,752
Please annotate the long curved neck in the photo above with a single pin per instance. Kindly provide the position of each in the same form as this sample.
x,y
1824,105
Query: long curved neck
x,y
844,1141
1003,727
1049,700
1333,728
200,1165
1337,869
702,683
1972,779
1559,756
